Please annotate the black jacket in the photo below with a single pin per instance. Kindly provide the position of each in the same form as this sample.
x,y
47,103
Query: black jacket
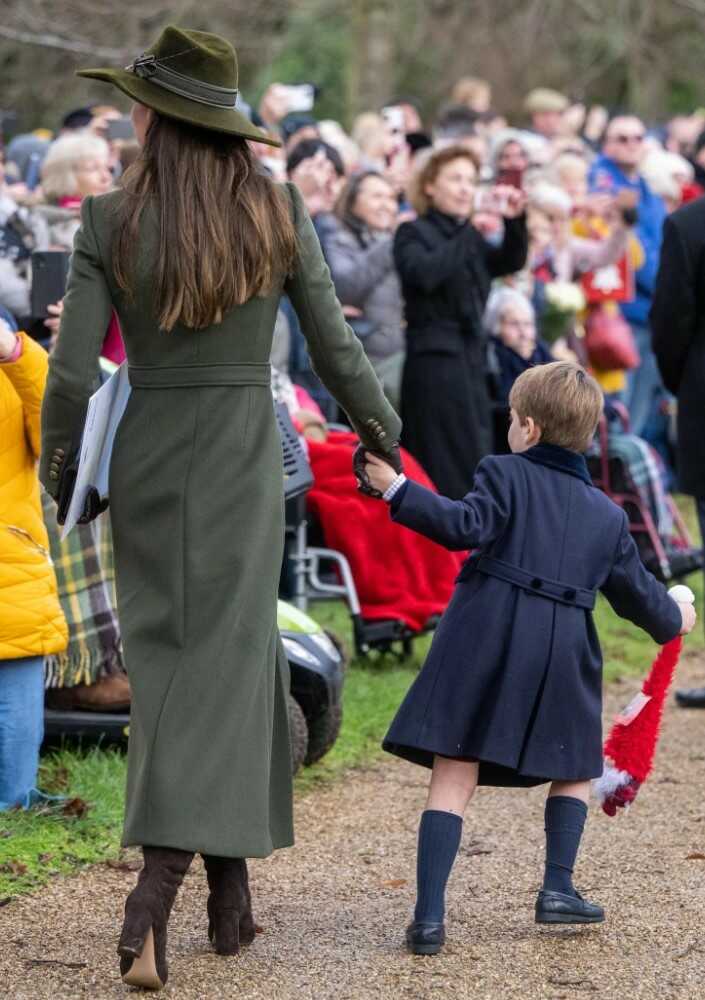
x,y
514,675
446,269
678,330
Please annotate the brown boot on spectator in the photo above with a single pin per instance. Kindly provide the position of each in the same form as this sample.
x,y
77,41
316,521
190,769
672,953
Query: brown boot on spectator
x,y
109,694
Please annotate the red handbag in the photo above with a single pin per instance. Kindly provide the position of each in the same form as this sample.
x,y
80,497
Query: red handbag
x,y
609,340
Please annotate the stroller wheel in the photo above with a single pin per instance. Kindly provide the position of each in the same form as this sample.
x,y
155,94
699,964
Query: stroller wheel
x,y
298,735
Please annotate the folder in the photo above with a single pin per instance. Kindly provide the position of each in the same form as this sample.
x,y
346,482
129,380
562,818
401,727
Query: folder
x,y
105,411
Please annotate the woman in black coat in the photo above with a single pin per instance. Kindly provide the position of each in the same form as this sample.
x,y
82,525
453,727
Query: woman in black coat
x,y
446,268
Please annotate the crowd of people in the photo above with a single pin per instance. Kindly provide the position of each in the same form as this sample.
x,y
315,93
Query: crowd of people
x,y
594,192
463,250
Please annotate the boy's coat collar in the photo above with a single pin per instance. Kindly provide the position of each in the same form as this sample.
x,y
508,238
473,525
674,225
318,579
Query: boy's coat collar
x,y
561,459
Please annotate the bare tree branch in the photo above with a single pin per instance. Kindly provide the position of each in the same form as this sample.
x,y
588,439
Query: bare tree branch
x,y
65,44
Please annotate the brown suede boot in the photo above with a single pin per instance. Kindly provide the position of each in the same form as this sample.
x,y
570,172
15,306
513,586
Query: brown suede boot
x,y
230,921
142,945
109,694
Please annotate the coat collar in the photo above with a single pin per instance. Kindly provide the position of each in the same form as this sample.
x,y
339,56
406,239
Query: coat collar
x,y
561,459
447,224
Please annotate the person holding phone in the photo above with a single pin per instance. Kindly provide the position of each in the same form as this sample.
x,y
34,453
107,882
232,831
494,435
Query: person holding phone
x,y
194,252
509,157
616,171
446,268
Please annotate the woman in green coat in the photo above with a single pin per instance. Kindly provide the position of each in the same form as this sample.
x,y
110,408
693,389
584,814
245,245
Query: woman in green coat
x,y
194,253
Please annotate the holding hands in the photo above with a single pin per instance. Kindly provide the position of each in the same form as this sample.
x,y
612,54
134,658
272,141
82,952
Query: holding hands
x,y
374,473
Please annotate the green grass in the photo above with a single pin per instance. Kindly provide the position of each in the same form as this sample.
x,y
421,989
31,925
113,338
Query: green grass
x,y
36,845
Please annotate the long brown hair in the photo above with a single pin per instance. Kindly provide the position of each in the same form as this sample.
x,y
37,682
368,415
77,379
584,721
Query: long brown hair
x,y
225,228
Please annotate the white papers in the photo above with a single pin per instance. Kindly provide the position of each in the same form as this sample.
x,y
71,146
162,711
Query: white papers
x,y
105,410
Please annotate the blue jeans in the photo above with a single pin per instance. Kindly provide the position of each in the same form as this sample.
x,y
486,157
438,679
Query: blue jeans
x,y
645,389
21,729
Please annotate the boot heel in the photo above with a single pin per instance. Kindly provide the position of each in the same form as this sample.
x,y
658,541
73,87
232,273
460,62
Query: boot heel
x,y
225,927
141,970
247,928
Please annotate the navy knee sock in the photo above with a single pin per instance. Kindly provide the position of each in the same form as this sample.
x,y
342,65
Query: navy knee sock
x,y
439,839
565,821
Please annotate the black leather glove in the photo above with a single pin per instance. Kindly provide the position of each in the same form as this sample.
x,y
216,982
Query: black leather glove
x,y
364,485
93,505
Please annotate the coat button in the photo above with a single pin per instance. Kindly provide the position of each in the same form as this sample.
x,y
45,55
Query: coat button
x,y
536,583
570,594
59,452
53,475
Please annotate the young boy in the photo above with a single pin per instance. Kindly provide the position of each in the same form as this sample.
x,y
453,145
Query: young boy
x,y
511,692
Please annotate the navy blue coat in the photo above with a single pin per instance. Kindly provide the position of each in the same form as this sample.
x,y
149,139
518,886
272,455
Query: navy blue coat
x,y
514,675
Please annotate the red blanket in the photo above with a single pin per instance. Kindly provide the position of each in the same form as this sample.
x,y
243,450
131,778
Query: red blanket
x,y
398,573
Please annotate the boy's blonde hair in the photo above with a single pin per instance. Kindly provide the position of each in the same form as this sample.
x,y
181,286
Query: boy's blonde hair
x,y
563,400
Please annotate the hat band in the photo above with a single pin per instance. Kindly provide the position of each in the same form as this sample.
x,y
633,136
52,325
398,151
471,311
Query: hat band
x,y
148,67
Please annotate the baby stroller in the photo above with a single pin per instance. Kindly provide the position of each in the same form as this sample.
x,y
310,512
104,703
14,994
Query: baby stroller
x,y
626,469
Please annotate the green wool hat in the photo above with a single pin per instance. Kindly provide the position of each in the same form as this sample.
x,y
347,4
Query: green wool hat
x,y
190,76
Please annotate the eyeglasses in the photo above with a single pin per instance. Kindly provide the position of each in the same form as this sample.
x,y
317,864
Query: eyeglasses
x,y
624,139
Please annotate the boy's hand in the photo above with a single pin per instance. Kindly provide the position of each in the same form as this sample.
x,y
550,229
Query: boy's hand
x,y
380,474
360,468
688,617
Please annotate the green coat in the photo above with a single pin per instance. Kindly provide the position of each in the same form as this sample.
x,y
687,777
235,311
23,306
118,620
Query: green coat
x,y
196,498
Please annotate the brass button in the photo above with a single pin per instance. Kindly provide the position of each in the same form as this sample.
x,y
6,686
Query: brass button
x,y
59,452
53,475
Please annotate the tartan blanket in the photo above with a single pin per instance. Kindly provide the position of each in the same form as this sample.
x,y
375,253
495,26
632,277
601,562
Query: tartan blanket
x,y
85,576
644,470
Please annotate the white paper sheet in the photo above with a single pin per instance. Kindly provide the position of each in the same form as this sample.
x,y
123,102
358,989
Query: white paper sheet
x,y
105,410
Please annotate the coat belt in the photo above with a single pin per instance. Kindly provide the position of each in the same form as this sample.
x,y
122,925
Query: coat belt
x,y
194,375
540,586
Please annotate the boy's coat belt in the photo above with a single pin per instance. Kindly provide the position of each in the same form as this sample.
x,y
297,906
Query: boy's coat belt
x,y
540,586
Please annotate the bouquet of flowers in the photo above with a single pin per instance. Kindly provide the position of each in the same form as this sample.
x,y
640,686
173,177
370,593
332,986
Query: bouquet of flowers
x,y
565,300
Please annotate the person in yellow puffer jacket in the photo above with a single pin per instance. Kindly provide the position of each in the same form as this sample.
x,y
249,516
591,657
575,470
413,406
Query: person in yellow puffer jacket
x,y
32,623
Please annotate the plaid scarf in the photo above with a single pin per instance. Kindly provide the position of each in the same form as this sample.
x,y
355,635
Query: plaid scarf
x,y
85,576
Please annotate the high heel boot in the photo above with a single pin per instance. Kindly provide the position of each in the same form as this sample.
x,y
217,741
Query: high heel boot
x,y
230,921
142,945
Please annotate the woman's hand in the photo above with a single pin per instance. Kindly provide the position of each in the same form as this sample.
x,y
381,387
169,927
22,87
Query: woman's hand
x,y
54,320
8,341
512,199
380,474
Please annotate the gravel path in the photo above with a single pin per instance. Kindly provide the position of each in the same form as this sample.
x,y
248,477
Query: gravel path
x,y
333,909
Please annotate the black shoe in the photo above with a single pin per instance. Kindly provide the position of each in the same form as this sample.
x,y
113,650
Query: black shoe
x,y
425,938
691,698
561,908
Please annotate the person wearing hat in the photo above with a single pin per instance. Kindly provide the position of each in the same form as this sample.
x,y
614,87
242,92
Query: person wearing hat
x,y
194,253
546,108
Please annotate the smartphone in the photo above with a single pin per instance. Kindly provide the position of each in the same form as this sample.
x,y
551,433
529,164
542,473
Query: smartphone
x,y
394,117
512,178
487,200
50,270
300,97
119,128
